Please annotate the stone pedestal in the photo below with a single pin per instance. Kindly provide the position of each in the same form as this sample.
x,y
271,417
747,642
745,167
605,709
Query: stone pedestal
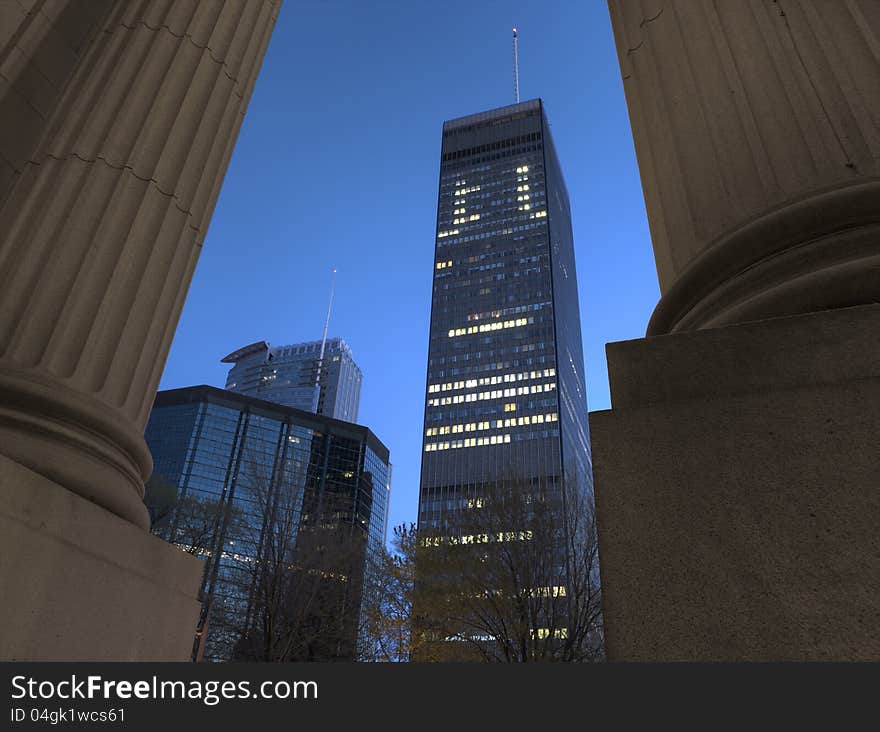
x,y
79,583
738,492
119,122
737,473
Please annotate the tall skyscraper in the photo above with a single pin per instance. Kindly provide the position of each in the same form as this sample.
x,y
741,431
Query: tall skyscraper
x,y
505,396
290,375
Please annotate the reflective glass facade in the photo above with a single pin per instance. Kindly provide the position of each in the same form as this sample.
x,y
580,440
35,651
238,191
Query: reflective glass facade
x,y
505,396
290,375
223,447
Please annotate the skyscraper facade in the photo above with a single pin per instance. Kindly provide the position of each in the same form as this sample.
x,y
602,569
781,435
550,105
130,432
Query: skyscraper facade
x,y
505,395
298,376
254,483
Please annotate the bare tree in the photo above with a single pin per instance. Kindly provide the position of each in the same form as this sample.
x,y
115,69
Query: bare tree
x,y
387,614
512,576
296,584
206,527
188,520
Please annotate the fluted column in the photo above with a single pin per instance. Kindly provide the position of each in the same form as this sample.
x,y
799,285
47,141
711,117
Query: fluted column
x,y
757,132
101,226
736,474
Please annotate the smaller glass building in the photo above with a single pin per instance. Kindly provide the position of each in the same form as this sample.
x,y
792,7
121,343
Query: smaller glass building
x,y
250,479
297,376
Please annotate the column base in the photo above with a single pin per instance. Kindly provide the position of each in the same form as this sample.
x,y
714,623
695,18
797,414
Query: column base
x,y
81,584
736,481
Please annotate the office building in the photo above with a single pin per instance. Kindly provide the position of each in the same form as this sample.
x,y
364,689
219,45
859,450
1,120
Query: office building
x,y
291,375
505,395
240,470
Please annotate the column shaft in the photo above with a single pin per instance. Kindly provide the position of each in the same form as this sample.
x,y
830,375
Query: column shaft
x,y
102,226
757,131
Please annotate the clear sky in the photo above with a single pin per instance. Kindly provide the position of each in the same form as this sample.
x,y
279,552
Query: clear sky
x,y
337,165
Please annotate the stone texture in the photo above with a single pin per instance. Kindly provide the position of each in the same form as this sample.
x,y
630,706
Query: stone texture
x,y
736,474
119,120
737,499
783,353
83,584
757,131
40,46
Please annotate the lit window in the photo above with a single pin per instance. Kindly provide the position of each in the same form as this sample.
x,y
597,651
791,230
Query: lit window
x,y
486,327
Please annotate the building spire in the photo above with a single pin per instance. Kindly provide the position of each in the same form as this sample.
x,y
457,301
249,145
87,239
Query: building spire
x,y
515,69
324,343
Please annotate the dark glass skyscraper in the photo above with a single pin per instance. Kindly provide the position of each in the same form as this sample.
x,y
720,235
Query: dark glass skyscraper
x,y
505,396
236,465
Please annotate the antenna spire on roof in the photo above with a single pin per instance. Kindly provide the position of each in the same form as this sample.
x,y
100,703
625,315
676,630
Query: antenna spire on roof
x,y
317,397
515,69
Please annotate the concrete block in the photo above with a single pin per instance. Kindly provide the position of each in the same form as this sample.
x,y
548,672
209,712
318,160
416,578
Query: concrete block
x,y
105,590
738,505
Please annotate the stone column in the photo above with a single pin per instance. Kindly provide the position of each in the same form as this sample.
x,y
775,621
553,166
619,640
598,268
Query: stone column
x,y
737,473
123,117
757,131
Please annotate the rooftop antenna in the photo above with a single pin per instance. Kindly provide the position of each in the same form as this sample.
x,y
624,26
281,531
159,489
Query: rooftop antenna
x,y
323,344
515,68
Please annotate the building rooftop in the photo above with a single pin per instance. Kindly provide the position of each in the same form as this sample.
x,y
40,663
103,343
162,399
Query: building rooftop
x,y
235,400
236,356
259,346
483,119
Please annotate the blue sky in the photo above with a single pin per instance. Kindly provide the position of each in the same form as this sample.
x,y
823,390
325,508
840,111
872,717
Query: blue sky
x,y
337,165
